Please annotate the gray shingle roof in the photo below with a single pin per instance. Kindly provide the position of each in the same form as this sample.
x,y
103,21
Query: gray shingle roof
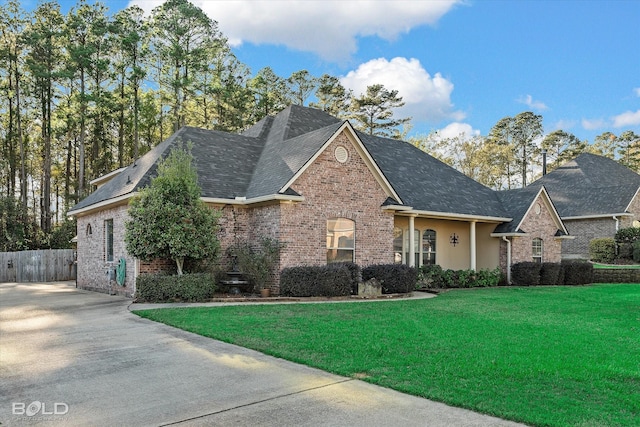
x,y
590,185
427,184
261,160
256,163
517,202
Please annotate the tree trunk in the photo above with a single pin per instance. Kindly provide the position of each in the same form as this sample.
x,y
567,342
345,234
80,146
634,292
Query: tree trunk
x,y
179,265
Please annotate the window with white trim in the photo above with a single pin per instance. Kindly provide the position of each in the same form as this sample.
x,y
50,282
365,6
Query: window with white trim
x,y
428,247
341,240
537,248
424,246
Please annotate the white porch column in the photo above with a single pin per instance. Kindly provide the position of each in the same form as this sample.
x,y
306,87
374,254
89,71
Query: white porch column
x,y
412,244
472,244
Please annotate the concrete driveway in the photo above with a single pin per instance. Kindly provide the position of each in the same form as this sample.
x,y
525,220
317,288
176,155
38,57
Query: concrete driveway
x,y
72,357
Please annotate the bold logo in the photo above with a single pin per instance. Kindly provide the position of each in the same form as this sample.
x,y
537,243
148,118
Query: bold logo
x,y
35,407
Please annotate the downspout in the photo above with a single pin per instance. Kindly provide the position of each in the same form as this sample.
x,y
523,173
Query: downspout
x,y
508,259
617,220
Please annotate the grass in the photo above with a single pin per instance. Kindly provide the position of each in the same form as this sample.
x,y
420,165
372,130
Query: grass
x,y
546,356
615,266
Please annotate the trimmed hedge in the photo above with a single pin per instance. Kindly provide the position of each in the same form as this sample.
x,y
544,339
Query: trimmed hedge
x,y
526,273
577,273
551,274
570,273
636,251
395,278
602,250
354,271
196,287
314,281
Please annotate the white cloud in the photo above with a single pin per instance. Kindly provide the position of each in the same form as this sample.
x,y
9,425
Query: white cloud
x,y
628,118
564,125
455,129
536,105
636,90
327,28
593,124
426,98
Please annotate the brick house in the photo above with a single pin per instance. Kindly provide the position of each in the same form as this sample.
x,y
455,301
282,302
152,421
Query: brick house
x,y
595,197
329,193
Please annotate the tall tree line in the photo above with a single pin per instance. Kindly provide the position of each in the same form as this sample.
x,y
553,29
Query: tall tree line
x,y
86,92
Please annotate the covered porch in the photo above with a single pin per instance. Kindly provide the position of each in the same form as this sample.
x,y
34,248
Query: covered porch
x,y
452,242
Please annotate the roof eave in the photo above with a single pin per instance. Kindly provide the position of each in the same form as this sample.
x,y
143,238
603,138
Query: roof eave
x,y
243,201
456,216
596,216
103,204
509,234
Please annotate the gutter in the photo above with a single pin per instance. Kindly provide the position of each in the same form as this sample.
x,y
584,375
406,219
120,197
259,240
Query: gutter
x,y
454,216
617,220
243,201
597,216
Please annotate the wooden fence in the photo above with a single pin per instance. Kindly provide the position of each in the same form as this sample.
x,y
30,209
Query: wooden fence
x,y
38,266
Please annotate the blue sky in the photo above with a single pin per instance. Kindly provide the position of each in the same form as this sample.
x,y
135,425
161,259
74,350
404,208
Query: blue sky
x,y
460,65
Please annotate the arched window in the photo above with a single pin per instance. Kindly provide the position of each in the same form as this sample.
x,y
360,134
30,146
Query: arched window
x,y
428,247
341,242
537,249
89,231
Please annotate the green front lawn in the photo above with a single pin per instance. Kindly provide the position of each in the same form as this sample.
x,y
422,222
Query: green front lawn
x,y
549,356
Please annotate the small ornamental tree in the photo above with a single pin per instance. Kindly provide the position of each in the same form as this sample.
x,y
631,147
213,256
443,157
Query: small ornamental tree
x,y
168,219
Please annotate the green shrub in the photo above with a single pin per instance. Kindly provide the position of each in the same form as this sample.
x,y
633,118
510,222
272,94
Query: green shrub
x,y
602,250
433,276
636,251
577,273
313,281
355,273
526,273
198,287
486,278
628,235
430,276
625,250
395,278
258,264
551,274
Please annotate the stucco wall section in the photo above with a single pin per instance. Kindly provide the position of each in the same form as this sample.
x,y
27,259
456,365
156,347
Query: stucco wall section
x,y
541,226
92,263
457,257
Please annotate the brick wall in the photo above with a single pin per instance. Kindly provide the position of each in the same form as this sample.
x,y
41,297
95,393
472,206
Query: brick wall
x,y
92,263
332,189
584,231
537,225
634,208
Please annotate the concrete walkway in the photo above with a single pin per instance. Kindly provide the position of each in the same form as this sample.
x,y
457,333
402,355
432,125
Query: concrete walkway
x,y
72,357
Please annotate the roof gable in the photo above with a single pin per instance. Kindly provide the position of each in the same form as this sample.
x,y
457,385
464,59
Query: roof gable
x,y
362,152
590,185
520,203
